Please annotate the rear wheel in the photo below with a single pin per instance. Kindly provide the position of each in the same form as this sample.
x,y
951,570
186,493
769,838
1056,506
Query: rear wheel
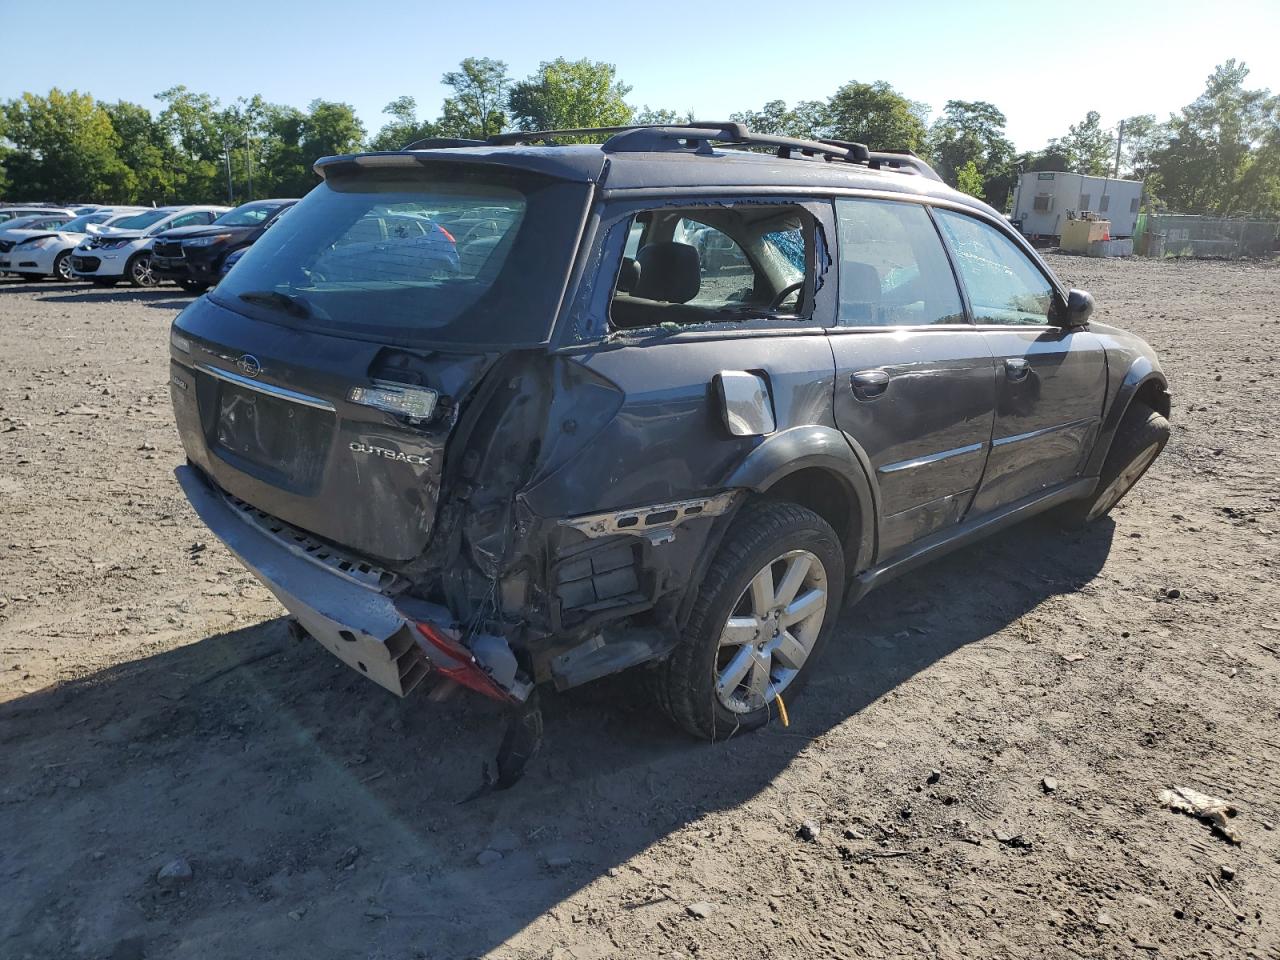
x,y
193,286
764,610
138,270
1141,436
62,267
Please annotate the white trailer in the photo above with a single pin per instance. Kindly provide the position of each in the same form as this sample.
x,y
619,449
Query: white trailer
x,y
1042,200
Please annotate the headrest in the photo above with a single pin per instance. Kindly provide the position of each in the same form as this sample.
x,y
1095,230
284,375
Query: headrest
x,y
629,275
669,272
859,282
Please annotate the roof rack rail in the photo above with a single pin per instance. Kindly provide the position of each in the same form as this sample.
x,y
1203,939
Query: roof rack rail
x,y
906,161
697,137
443,143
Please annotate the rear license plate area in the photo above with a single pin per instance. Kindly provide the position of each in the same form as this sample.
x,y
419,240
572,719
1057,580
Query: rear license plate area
x,y
283,442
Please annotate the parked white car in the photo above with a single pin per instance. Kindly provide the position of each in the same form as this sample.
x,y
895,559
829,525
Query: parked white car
x,y
11,231
38,253
123,251
13,213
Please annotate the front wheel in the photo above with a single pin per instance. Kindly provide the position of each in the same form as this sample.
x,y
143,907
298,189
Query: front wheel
x,y
62,267
138,270
1141,436
766,605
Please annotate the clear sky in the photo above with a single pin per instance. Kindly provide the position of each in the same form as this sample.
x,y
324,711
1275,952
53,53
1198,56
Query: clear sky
x,y
1044,64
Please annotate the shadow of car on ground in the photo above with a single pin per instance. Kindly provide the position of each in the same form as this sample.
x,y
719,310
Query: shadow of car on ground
x,y
316,810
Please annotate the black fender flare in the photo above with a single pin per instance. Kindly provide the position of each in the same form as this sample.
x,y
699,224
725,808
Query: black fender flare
x,y
1142,378
825,448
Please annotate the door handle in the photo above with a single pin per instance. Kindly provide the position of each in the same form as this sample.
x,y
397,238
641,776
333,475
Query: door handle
x,y
869,384
1016,368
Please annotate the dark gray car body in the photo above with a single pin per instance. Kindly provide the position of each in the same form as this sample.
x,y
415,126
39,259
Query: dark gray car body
x,y
556,523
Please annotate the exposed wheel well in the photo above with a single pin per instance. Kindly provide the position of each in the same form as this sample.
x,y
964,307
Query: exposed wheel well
x,y
1153,394
826,495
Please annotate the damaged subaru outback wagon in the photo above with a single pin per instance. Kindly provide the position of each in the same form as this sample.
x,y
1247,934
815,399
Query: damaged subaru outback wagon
x,y
510,413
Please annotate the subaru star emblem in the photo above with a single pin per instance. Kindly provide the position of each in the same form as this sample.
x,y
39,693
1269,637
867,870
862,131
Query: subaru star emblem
x,y
249,365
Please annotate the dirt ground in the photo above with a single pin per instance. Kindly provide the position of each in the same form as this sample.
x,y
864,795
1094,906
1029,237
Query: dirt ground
x,y
155,708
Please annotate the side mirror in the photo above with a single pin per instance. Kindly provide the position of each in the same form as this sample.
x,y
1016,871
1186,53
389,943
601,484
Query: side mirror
x,y
1078,309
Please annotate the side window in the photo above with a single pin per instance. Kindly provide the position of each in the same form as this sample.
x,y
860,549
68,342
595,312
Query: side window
x,y
1085,200
1004,286
732,261
1104,204
189,220
893,270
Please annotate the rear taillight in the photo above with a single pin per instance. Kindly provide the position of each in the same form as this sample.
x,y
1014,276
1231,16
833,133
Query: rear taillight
x,y
456,662
416,403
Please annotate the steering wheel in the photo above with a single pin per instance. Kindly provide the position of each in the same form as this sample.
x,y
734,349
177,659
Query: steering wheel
x,y
785,292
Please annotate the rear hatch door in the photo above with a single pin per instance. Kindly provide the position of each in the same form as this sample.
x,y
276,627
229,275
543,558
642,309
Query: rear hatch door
x,y
284,436
322,379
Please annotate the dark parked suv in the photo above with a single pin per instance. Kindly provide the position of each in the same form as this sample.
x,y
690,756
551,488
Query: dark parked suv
x,y
481,412
193,256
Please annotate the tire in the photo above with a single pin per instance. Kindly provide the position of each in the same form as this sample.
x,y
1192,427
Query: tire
x,y
692,684
1139,439
62,267
193,286
138,271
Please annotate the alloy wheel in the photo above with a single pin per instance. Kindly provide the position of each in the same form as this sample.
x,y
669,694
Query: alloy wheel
x,y
63,268
142,272
771,631
1123,481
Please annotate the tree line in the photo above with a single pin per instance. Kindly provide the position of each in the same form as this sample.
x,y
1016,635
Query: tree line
x,y
1218,155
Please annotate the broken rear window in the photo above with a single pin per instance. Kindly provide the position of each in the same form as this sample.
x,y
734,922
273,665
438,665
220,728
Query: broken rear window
x,y
445,253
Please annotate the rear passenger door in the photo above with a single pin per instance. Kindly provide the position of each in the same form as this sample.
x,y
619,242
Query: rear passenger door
x,y
915,382
1051,381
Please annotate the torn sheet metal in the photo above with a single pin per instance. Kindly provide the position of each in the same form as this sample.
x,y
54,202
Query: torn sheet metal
x,y
657,522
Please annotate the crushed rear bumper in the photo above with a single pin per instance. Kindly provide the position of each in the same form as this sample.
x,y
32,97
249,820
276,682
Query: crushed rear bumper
x,y
359,624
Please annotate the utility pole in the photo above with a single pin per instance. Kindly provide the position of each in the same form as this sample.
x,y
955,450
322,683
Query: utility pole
x,y
1119,141
248,162
226,152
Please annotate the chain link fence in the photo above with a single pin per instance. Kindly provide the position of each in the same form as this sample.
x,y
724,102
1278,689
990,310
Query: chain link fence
x,y
1187,235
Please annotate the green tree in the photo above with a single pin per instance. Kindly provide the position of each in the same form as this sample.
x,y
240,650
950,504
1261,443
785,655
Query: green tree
x,y
1143,136
146,153
192,123
1087,147
647,114
64,148
567,94
1218,155
806,120
475,110
969,180
285,171
877,115
404,127
970,132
